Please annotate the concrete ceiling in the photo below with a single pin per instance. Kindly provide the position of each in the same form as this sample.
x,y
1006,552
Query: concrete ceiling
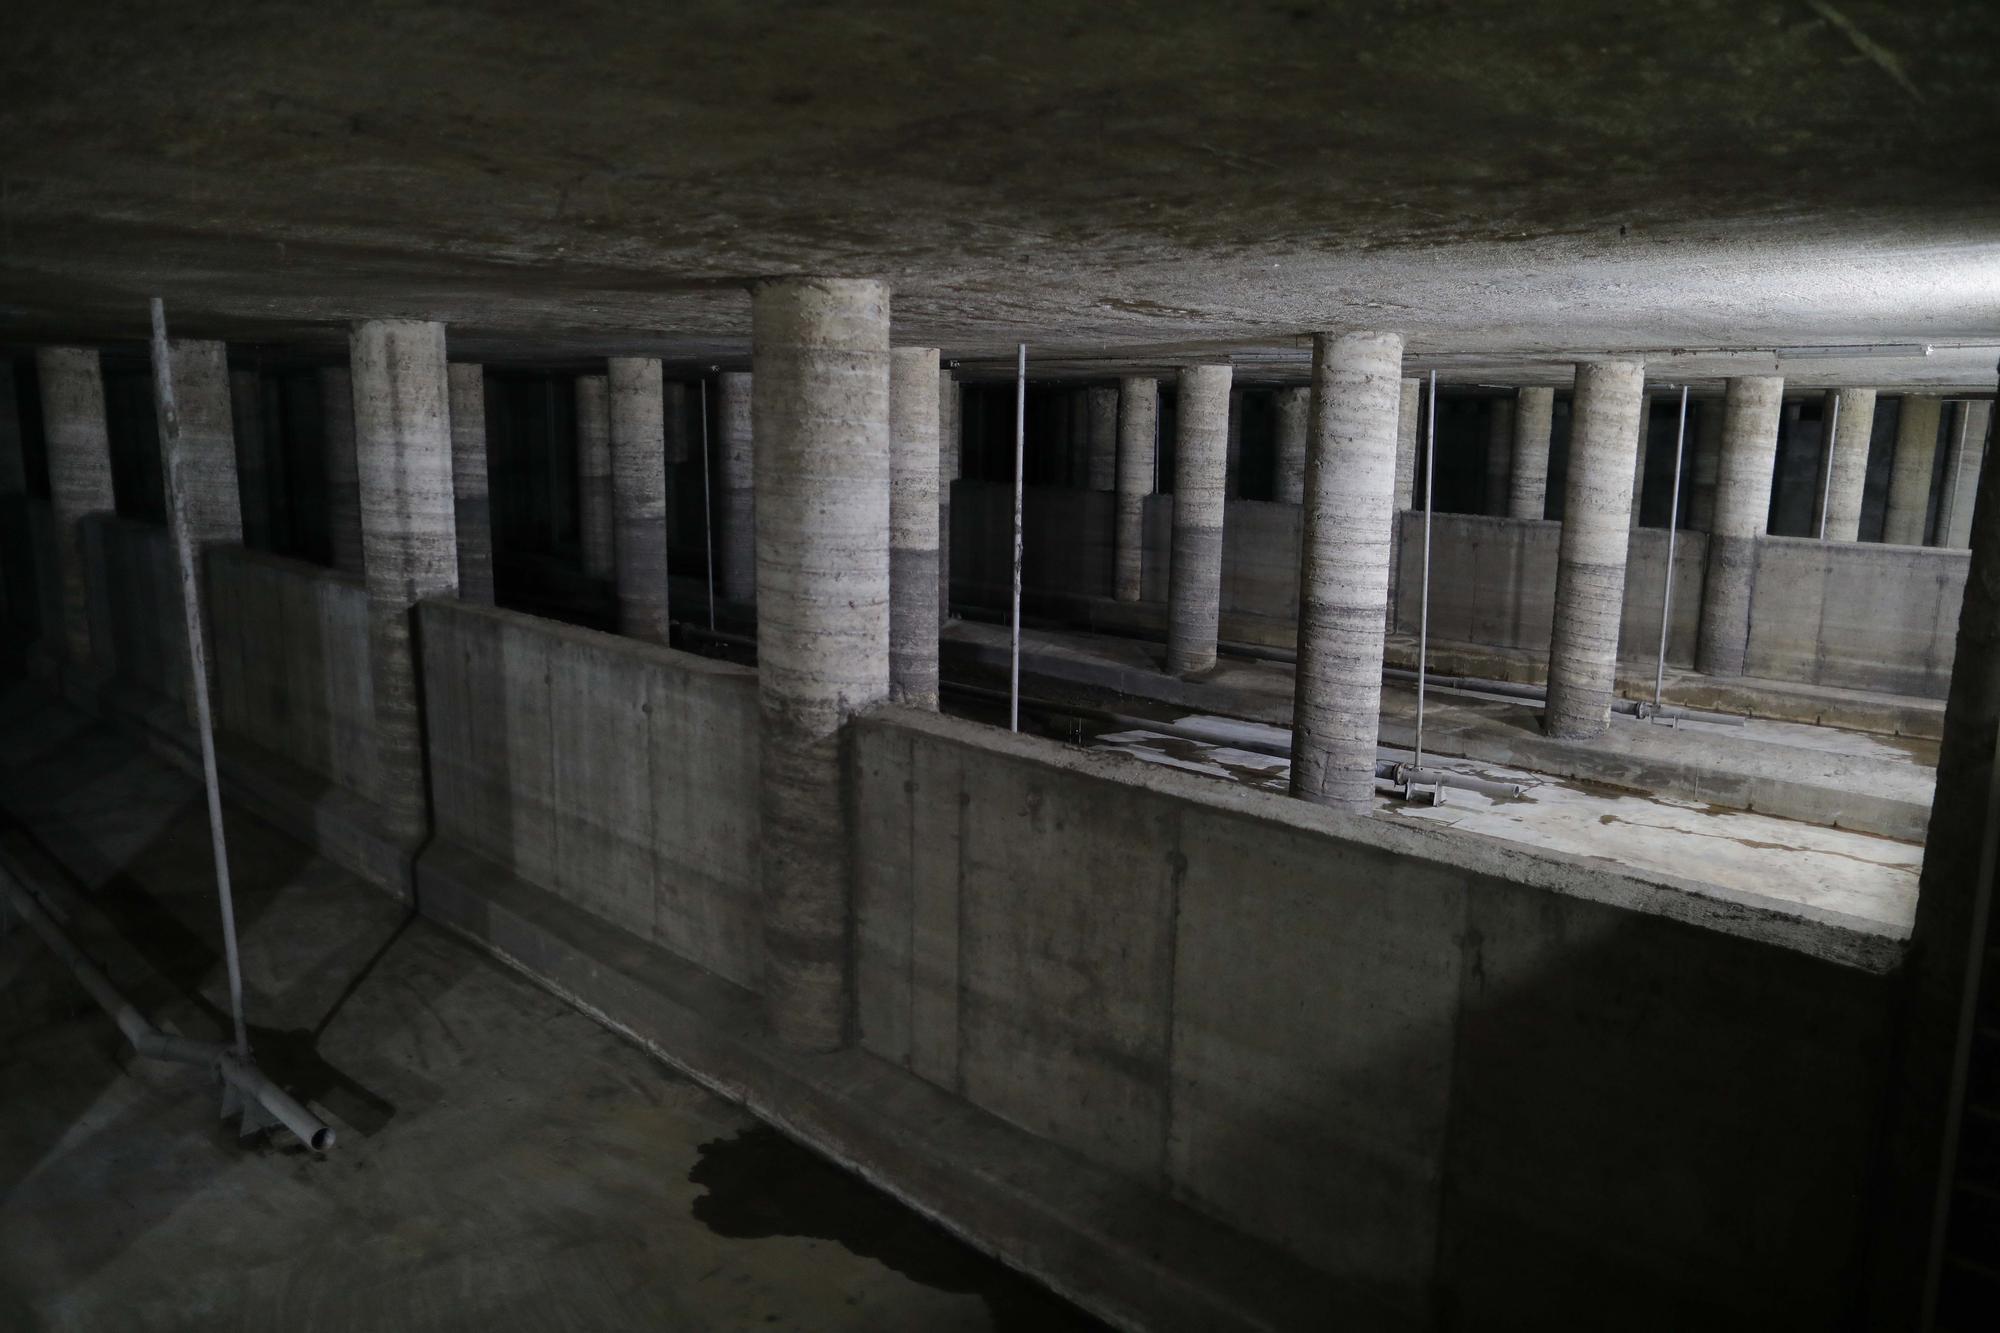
x,y
1118,184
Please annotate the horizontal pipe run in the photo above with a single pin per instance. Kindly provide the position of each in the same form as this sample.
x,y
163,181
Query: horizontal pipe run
x,y
148,1040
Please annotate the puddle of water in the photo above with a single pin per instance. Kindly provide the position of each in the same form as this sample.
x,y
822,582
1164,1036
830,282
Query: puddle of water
x,y
761,1184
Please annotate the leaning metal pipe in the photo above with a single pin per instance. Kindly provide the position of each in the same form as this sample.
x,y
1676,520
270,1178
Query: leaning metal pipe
x,y
148,1040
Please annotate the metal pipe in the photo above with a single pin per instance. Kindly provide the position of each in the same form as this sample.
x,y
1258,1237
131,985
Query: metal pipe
x,y
1673,530
1020,483
1826,487
148,1040
176,486
1424,619
707,509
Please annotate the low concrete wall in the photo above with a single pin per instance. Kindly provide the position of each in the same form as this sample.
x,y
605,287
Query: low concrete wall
x,y
1497,1089
617,775
1856,615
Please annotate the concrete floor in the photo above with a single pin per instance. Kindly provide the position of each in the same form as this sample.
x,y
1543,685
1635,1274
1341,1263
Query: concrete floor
x,y
503,1161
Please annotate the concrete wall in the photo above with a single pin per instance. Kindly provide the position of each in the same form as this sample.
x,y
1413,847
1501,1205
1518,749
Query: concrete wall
x,y
1858,615
291,648
620,776
1435,1072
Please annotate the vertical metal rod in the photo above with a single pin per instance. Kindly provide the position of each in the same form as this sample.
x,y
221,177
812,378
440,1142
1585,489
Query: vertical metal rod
x,y
177,517
1826,487
1673,530
1020,454
1424,615
707,509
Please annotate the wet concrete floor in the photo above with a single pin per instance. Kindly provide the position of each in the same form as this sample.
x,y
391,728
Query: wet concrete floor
x,y
504,1162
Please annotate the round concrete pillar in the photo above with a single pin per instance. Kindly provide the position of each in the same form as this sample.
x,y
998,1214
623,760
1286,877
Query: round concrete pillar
x,y
1138,425
1704,467
1499,455
1347,521
736,521
593,476
402,437
1910,473
913,526
1201,458
1848,461
472,510
211,501
948,452
79,454
342,473
639,496
1742,512
1294,411
1590,560
821,417
1534,422
1639,459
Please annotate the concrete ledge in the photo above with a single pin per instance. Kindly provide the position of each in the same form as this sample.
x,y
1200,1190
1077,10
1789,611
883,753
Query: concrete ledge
x,y
1123,1251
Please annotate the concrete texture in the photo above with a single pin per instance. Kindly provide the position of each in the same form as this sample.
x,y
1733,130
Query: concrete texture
x,y
1742,508
1201,440
1499,455
950,443
1346,531
596,521
1102,473
1294,407
79,454
255,483
1639,458
472,511
736,503
343,476
211,504
822,483
1853,428
1590,560
1138,442
1908,518
1390,1132
1704,466
402,433
913,532
639,496
1534,423
1963,461
504,1162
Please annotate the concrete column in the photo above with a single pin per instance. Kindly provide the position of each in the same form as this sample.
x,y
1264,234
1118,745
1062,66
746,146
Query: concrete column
x,y
639,496
1639,462
1346,526
1138,424
472,511
913,525
1590,560
402,436
1964,461
1103,438
1702,471
1233,469
253,460
79,446
1742,512
949,428
821,356
1849,461
1409,416
593,476
1534,423
1294,411
212,503
1201,459
1499,455
1910,473
736,525
342,476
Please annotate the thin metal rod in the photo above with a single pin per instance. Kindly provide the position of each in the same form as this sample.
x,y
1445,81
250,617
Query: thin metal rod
x,y
1826,487
1673,531
1424,615
707,512
176,480
1020,454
